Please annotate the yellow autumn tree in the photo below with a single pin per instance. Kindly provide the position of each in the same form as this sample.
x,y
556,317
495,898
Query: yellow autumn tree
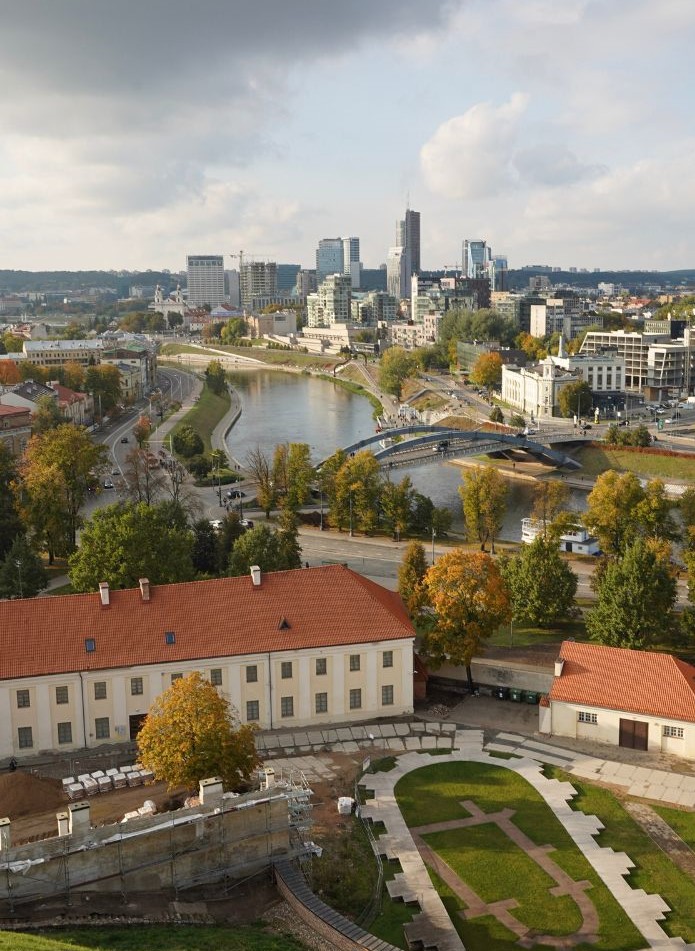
x,y
192,733
470,601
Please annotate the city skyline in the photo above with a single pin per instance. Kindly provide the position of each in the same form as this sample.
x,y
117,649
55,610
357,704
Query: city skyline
x,y
555,130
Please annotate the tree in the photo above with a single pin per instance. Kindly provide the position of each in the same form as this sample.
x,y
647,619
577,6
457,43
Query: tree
x,y
192,733
187,442
542,586
496,415
10,521
204,553
549,500
470,601
128,541
358,486
289,549
104,381
233,330
57,471
300,474
484,497
142,430
143,482
13,344
636,594
73,376
9,373
22,574
260,470
653,513
395,366
487,370
47,415
396,504
482,324
230,530
611,506
215,377
262,546
575,399
411,575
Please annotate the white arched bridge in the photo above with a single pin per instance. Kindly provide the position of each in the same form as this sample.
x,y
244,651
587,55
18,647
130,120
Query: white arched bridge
x,y
421,445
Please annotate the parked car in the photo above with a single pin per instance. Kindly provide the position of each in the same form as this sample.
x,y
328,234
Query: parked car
x,y
235,494
246,523
216,523
108,484
124,439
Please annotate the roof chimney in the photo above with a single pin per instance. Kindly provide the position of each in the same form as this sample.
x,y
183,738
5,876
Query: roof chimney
x,y
559,664
104,592
145,589
256,575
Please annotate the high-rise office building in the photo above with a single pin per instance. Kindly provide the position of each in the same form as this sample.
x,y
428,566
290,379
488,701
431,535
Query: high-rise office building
x,y
408,238
397,276
205,279
257,279
329,258
476,258
351,260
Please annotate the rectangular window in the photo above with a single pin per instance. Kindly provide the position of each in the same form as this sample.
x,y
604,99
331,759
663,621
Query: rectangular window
x,y
25,738
61,694
585,717
100,690
176,677
286,668
388,659
354,661
387,696
322,703
102,729
169,637
252,674
65,732
216,677
676,732
356,699
90,644
321,666
23,698
287,706
252,710
136,686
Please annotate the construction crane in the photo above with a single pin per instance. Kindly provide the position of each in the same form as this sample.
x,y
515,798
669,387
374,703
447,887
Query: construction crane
x,y
451,267
239,255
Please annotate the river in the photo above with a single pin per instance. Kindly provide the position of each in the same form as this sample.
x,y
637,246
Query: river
x,y
286,407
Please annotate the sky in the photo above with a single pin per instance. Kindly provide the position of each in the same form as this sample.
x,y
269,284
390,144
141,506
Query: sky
x,y
134,132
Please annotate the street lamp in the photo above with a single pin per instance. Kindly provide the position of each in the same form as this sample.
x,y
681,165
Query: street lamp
x,y
351,532
18,565
321,522
434,535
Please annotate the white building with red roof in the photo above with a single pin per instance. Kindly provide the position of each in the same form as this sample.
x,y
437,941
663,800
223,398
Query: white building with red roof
x,y
640,700
289,649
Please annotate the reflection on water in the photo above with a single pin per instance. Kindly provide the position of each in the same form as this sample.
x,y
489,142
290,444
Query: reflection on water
x,y
286,407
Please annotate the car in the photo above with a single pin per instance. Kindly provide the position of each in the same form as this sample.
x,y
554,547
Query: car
x,y
235,494
443,445
115,472
108,484
216,523
124,439
659,411
246,523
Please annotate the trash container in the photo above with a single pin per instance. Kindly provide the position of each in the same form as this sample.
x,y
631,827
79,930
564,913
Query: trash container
x,y
502,693
515,695
530,696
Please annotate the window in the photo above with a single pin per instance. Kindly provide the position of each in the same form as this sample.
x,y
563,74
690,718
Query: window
x,y
387,659
136,686
354,661
61,694
65,732
585,717
252,711
252,674
322,703
100,690
102,730
90,644
387,696
674,731
355,699
169,637
286,668
286,706
216,677
176,677
23,699
26,740
321,666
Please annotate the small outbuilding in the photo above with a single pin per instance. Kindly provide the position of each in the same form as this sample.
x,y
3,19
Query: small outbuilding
x,y
640,700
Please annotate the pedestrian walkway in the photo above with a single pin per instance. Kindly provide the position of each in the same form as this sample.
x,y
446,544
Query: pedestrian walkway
x,y
431,925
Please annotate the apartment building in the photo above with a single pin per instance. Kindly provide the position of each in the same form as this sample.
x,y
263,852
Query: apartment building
x,y
15,428
288,649
205,274
655,364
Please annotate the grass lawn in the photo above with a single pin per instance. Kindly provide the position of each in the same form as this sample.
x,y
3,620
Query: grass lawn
x,y
526,635
595,460
151,938
205,415
62,589
292,357
653,871
683,823
496,866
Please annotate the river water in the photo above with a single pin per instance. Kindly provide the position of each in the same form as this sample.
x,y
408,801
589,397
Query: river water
x,y
286,407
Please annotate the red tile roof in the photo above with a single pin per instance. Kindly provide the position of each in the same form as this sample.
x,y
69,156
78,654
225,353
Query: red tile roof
x,y
641,682
324,607
7,410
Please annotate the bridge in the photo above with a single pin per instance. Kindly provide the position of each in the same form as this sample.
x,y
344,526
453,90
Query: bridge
x,y
413,445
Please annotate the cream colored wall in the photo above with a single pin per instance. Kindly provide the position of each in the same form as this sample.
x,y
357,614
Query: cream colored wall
x,y
82,709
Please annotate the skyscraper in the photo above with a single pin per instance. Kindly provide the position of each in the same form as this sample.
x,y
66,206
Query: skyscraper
x,y
329,258
397,278
257,279
476,258
408,238
351,260
205,279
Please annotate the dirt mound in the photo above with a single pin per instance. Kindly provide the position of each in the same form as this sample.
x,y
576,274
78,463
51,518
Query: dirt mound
x,y
21,794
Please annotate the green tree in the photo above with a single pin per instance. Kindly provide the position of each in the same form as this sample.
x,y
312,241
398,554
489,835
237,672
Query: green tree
x,y
487,370
549,500
411,575
215,377
10,522
300,474
289,549
12,343
484,497
187,442
204,551
104,381
128,541
653,513
327,475
57,471
470,601
575,399
636,594
47,415
496,415
542,586
262,546
233,330
358,486
396,504
395,367
686,504
192,733
22,574
482,324
230,530
259,467
611,506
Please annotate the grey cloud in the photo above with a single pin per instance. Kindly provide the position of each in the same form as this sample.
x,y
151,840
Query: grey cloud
x,y
550,164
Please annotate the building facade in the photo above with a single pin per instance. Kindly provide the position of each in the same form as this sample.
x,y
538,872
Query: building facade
x,y
205,279
288,649
331,304
257,279
15,428
329,258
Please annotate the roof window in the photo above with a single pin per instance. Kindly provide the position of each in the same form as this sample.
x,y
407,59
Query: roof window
x,y
169,637
90,644
284,625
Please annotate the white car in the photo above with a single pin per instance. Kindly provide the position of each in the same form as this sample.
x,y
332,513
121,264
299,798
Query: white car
x,y
216,523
